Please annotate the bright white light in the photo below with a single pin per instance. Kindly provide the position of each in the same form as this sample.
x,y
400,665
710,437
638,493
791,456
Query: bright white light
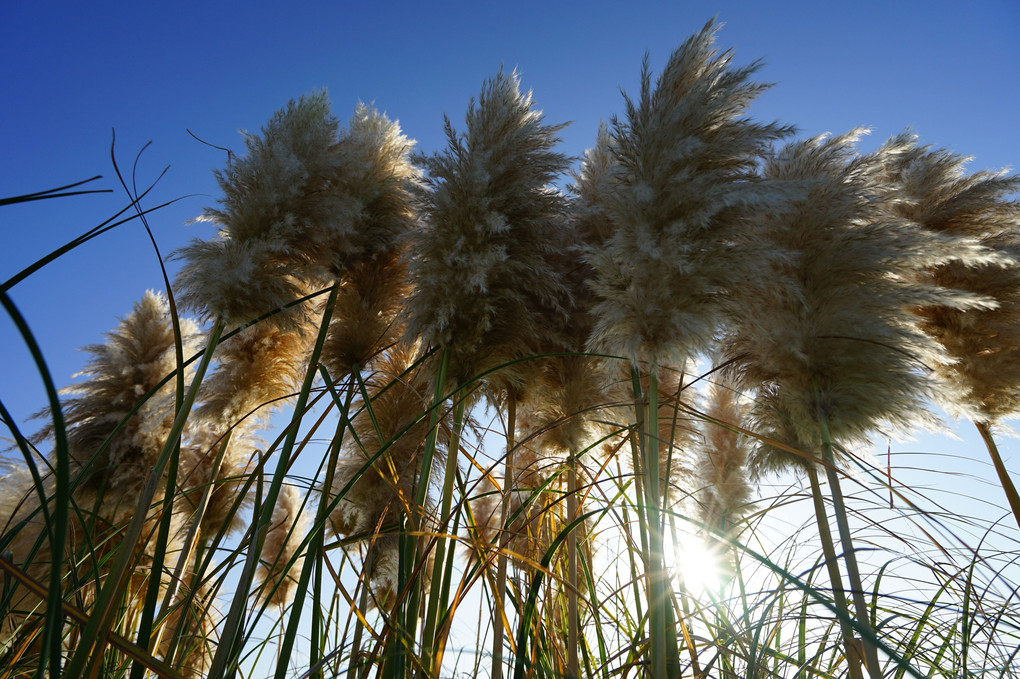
x,y
691,562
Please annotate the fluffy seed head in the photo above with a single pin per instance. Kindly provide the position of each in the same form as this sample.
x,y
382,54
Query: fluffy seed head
x,y
722,463
384,572
277,186
593,184
832,334
305,204
240,281
369,195
937,193
682,176
136,357
368,316
271,196
257,370
483,287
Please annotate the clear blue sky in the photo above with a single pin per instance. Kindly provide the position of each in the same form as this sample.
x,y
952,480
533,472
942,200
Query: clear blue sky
x,y
72,71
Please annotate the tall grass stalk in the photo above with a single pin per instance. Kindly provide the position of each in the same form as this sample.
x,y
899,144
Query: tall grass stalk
x,y
499,590
573,667
441,585
658,599
228,651
1000,469
850,641
849,554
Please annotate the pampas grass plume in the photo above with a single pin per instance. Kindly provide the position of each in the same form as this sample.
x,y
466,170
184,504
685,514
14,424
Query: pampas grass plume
x,y
684,173
722,463
832,334
939,195
370,195
368,315
136,357
272,196
483,287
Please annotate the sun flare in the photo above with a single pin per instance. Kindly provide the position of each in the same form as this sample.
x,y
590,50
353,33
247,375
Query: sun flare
x,y
692,563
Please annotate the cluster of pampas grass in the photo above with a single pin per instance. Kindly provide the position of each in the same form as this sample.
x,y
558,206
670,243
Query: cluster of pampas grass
x,y
401,309
938,195
117,421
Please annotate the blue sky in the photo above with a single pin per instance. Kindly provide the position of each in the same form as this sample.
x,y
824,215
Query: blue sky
x,y
73,71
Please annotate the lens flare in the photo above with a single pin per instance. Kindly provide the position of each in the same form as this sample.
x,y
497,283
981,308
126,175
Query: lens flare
x,y
692,563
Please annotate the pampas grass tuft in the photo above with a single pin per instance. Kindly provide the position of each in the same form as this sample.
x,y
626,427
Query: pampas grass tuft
x,y
831,335
682,179
489,221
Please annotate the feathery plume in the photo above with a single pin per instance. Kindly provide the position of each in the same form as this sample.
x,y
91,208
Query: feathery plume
x,y
722,464
383,572
832,334
239,281
368,315
984,378
593,183
257,368
136,357
831,343
272,197
483,287
21,526
683,176
369,197
377,179
306,205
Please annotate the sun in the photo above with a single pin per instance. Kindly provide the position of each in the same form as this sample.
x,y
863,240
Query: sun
x,y
692,563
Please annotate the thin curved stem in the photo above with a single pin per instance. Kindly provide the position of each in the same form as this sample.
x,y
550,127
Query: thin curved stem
x,y
835,577
501,557
849,555
1000,468
573,666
